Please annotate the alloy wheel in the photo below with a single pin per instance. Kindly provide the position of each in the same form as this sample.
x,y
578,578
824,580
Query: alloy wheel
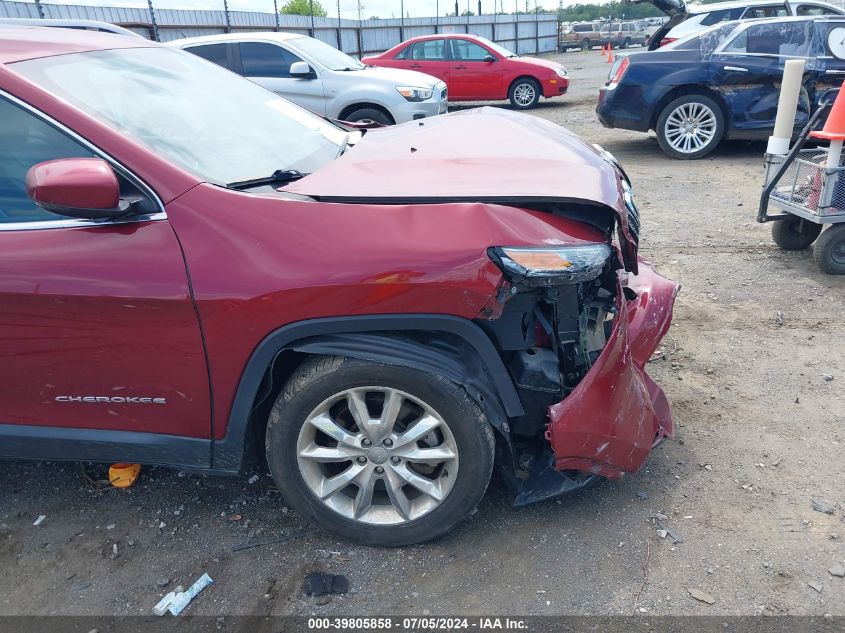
x,y
690,127
524,94
377,455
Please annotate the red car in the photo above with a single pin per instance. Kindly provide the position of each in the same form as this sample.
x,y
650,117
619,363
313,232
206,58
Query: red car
x,y
476,69
194,271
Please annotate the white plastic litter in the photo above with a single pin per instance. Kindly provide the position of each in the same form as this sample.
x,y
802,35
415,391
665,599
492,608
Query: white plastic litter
x,y
176,601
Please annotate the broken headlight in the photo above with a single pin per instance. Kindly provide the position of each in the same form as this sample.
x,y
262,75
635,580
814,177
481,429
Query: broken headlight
x,y
566,263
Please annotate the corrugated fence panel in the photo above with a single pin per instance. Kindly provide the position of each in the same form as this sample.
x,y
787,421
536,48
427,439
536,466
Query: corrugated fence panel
x,y
416,31
375,35
18,10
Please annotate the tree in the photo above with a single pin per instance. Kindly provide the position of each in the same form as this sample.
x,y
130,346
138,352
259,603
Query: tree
x,y
587,12
303,7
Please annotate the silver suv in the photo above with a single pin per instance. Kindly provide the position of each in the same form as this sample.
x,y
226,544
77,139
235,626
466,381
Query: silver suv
x,y
323,79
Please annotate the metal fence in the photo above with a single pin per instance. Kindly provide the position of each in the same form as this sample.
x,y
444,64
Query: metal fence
x,y
520,33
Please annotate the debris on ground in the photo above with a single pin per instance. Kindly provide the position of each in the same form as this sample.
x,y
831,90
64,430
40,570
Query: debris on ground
x,y
39,520
319,584
253,479
817,586
701,596
643,495
283,539
124,475
663,529
176,601
827,377
162,582
822,506
837,570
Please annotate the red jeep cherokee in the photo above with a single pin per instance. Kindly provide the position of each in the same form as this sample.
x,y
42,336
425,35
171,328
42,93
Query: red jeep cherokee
x,y
192,268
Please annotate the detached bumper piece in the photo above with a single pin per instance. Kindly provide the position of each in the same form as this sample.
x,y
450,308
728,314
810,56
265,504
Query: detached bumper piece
x,y
577,354
609,423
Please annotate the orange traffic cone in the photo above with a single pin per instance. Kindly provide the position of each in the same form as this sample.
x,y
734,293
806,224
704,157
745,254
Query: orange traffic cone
x,y
610,57
834,127
603,50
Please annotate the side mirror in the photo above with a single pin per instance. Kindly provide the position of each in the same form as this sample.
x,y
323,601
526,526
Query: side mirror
x,y
489,58
84,188
301,70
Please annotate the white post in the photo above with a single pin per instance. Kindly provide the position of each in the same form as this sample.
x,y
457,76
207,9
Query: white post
x,y
790,92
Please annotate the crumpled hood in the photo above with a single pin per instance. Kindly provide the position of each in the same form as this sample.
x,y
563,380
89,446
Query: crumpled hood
x,y
480,155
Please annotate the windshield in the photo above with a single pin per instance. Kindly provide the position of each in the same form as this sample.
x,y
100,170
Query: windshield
x,y
194,113
705,41
325,55
499,50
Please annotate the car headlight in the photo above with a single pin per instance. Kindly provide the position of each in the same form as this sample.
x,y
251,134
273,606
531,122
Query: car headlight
x,y
562,263
415,94
560,72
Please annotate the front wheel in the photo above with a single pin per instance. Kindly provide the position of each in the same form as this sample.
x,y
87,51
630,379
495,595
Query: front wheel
x,y
795,234
524,94
626,43
586,45
368,115
380,454
690,127
829,250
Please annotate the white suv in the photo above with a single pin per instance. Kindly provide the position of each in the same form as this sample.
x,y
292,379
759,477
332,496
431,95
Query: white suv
x,y
690,19
323,79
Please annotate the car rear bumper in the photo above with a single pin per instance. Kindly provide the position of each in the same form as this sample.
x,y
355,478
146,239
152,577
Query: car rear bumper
x,y
632,114
609,423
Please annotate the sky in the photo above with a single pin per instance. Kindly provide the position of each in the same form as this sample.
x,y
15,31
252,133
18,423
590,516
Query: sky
x,y
348,8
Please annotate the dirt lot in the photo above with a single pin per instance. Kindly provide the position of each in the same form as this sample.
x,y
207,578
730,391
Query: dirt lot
x,y
760,434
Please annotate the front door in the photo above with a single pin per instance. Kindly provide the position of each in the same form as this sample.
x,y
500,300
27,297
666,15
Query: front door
x,y
269,65
749,69
472,75
97,326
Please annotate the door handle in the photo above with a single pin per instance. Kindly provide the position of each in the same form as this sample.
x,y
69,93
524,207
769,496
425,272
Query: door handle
x,y
738,69
415,66
461,67
834,72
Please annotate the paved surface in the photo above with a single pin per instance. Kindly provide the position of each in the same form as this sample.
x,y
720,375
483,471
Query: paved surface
x,y
760,435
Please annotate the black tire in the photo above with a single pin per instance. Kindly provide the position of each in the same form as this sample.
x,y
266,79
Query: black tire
x,y
626,43
322,378
689,100
362,115
519,91
586,44
829,250
795,234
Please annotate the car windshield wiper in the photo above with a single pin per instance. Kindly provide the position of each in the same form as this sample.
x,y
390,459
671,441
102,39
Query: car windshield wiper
x,y
278,177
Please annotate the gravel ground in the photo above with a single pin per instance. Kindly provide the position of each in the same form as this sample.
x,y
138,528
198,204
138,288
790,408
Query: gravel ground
x,y
760,434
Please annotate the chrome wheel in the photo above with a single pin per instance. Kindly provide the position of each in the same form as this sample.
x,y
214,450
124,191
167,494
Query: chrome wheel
x,y
690,127
524,94
377,455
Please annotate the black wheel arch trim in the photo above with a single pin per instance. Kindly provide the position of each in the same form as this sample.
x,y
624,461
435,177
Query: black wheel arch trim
x,y
365,337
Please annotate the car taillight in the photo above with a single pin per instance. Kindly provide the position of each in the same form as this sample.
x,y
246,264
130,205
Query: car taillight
x,y
617,73
667,40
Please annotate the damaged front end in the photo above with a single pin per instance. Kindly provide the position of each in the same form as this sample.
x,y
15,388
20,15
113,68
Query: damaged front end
x,y
576,331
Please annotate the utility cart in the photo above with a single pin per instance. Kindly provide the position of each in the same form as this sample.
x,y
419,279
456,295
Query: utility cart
x,y
807,188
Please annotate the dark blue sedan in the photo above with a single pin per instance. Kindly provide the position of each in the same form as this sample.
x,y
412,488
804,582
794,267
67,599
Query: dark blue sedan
x,y
722,83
